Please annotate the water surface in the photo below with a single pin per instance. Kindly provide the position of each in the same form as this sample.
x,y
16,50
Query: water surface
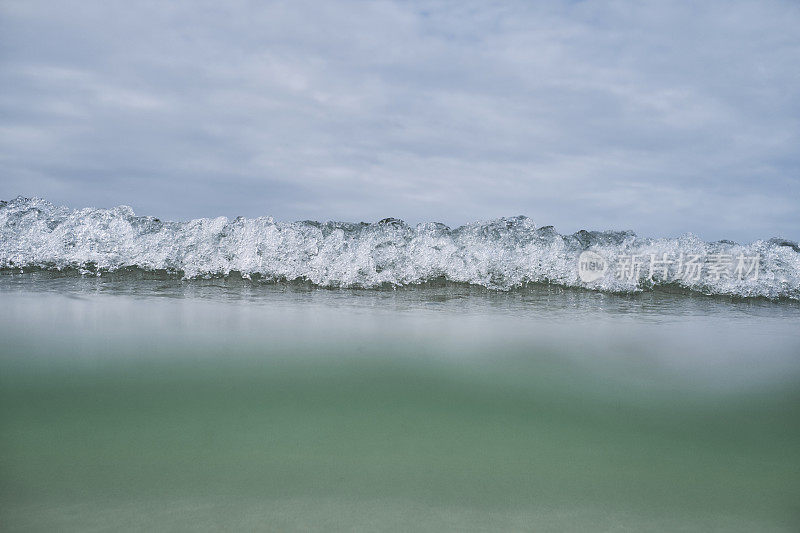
x,y
204,405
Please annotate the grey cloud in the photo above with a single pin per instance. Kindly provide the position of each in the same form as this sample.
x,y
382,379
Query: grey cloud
x,y
658,117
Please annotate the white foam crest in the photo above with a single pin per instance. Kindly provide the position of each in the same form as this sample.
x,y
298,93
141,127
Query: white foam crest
x,y
499,254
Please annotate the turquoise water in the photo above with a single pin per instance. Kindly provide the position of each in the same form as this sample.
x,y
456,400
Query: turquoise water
x,y
206,405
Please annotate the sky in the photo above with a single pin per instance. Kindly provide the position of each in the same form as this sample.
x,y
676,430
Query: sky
x,y
660,117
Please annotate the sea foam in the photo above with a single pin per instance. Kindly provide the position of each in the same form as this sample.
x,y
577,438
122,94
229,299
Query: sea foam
x,y
501,254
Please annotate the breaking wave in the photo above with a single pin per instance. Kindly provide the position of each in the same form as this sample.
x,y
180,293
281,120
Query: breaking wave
x,y
500,254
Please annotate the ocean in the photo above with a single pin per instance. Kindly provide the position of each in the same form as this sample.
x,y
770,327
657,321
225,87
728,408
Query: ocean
x,y
256,375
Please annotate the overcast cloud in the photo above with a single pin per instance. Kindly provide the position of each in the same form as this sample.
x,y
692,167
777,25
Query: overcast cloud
x,y
661,117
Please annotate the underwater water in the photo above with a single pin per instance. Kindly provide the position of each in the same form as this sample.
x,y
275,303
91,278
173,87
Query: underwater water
x,y
167,404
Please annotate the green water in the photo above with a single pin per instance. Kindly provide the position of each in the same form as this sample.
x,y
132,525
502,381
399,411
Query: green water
x,y
430,411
